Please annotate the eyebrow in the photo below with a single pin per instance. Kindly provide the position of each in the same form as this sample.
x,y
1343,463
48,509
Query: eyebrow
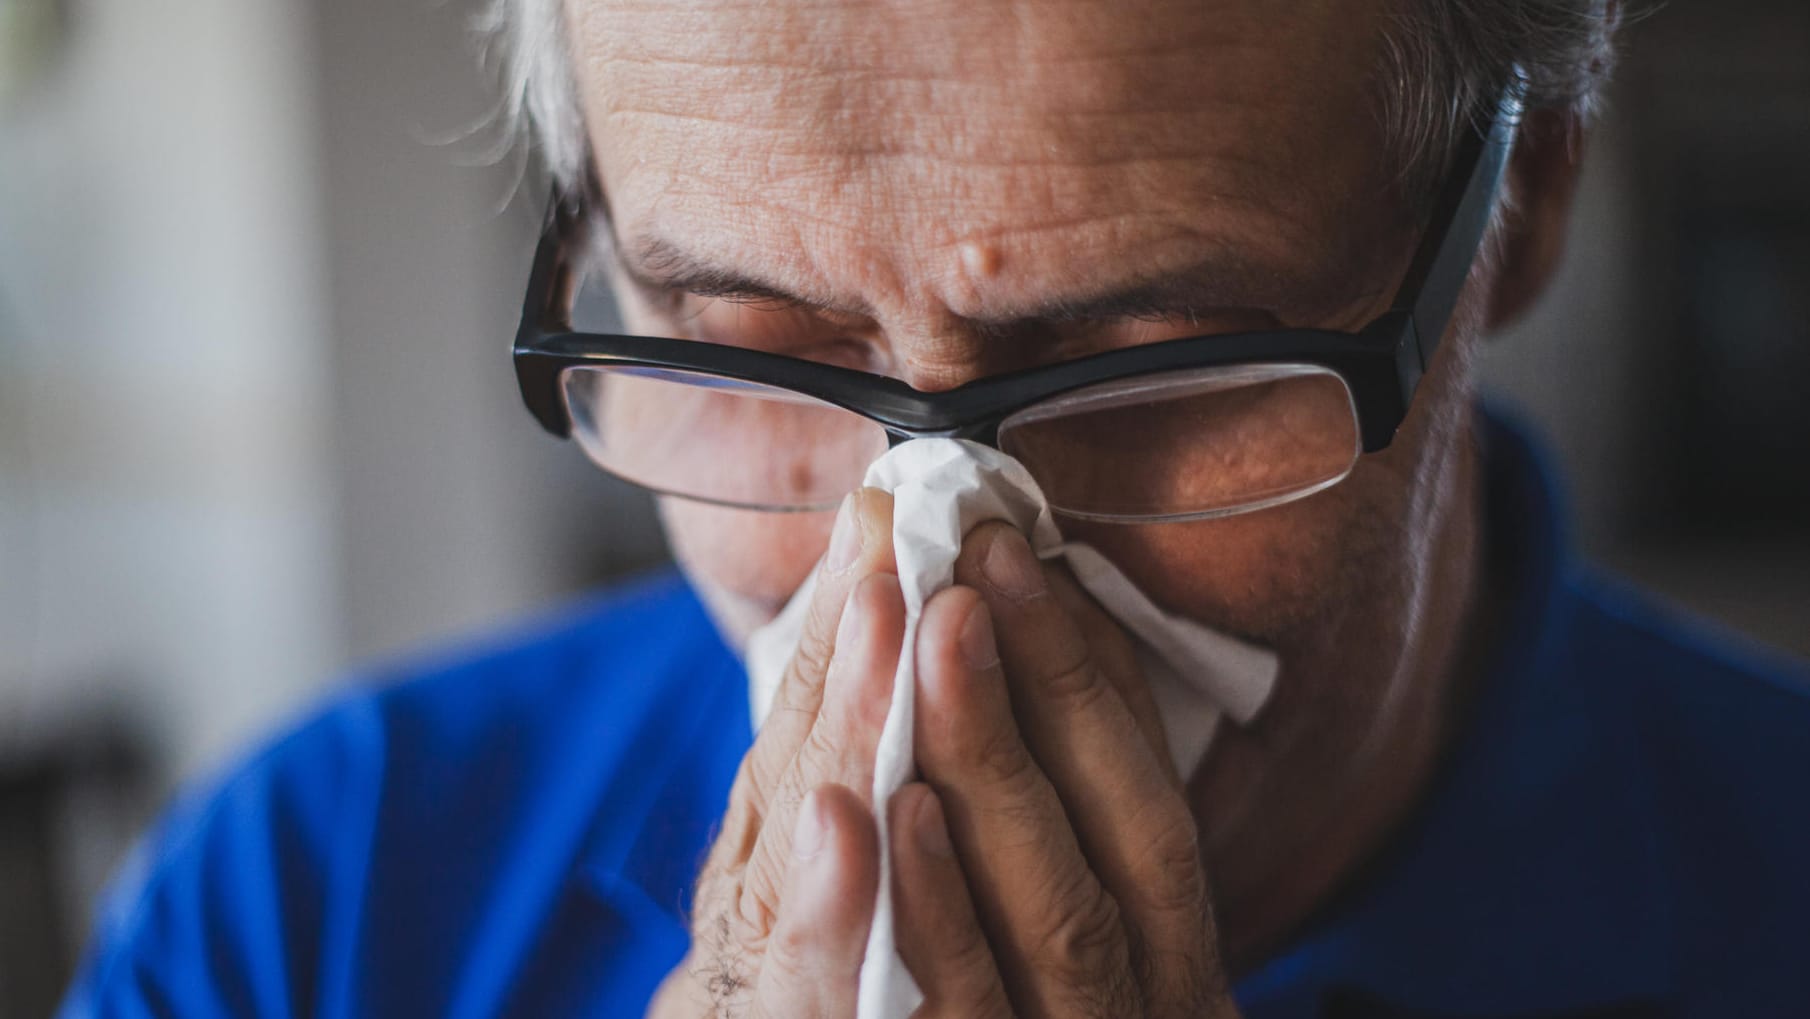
x,y
1223,280
658,265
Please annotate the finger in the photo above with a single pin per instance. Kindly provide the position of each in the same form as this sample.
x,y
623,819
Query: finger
x,y
1112,650
1053,928
841,744
1133,824
813,959
939,935
860,545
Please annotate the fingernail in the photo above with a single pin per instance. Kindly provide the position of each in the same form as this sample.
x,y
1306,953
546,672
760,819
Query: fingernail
x,y
976,639
932,831
845,538
1010,566
808,834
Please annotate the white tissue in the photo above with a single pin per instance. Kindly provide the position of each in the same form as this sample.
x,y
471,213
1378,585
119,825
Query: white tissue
x,y
941,489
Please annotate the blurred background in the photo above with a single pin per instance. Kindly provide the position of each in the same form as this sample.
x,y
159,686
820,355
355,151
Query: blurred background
x,y
259,264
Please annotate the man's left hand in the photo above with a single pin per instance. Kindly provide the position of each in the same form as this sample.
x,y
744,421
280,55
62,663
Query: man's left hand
x,y
1048,864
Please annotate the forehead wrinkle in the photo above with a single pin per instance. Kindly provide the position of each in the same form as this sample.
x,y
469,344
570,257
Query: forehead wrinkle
x,y
928,221
815,86
755,82
841,159
826,261
852,57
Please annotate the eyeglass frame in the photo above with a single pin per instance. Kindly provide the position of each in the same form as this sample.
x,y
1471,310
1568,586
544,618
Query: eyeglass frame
x,y
1381,364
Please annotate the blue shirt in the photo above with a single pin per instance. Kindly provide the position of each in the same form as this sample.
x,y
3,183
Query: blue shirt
x,y
1621,828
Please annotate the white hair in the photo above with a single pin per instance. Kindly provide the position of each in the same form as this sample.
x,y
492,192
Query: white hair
x,y
1443,61
540,94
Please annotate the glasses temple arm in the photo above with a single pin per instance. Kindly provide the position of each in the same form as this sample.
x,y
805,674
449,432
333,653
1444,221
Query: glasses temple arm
x,y
546,306
1429,292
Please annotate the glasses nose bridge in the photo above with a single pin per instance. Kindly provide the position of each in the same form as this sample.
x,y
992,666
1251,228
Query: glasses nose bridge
x,y
985,432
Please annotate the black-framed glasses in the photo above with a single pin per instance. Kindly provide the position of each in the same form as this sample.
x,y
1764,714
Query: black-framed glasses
x,y
1183,429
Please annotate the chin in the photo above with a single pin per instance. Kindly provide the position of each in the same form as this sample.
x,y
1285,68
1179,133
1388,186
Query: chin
x,y
744,564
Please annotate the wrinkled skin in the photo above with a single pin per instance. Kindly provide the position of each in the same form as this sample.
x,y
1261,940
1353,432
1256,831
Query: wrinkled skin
x,y
928,177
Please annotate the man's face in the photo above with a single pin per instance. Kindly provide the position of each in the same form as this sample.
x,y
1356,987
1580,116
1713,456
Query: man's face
x,y
933,176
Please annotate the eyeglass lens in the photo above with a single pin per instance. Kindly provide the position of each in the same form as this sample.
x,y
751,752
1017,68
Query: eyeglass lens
x,y
1188,444
1183,444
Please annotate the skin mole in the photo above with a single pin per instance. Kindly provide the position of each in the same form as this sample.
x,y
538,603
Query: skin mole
x,y
980,259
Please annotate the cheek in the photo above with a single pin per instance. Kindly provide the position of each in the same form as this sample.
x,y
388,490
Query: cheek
x,y
745,564
1266,575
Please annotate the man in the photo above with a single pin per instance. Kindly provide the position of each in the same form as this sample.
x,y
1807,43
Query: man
x,y
1488,783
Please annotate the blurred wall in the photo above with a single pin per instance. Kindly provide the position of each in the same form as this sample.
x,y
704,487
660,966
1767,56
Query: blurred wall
x,y
166,435
455,510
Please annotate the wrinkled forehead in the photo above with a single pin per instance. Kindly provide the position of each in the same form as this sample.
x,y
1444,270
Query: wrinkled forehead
x,y
934,121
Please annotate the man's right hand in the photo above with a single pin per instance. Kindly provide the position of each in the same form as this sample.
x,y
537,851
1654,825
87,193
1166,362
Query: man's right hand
x,y
786,896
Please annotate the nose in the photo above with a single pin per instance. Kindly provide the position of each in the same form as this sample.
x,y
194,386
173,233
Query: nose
x,y
950,352
936,334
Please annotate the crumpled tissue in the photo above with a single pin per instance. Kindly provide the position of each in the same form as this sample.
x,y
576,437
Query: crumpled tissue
x,y
942,488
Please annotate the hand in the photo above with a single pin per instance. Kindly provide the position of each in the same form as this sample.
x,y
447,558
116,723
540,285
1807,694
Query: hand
x,y
1048,865
1044,765
783,905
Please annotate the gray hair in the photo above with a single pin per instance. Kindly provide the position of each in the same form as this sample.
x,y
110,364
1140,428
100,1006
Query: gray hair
x,y
540,94
1443,61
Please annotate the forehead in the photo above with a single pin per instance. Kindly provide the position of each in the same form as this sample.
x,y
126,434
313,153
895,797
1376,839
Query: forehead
x,y
836,145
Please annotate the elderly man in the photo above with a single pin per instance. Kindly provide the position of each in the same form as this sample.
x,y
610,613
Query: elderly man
x,y
1233,259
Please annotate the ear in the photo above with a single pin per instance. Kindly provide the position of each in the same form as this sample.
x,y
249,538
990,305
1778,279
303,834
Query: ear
x,y
1542,180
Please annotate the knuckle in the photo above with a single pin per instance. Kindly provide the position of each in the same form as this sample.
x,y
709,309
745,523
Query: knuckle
x,y
764,772
1173,879
1001,756
747,777
821,751
1085,949
968,953
1022,825
816,643
810,662
789,952
735,839
794,701
1081,685
757,904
